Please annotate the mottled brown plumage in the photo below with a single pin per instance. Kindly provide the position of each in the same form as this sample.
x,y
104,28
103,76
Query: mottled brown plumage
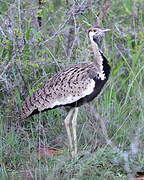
x,y
72,86
64,88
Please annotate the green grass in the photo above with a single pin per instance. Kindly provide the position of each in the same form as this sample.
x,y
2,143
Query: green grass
x,y
110,129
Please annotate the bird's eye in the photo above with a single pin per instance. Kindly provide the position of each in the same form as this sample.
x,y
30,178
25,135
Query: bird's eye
x,y
94,30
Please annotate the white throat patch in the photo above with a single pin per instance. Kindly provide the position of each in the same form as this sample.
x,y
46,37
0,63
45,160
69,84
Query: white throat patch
x,y
91,34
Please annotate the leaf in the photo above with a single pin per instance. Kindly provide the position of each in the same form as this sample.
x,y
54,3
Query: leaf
x,y
3,7
10,49
27,34
37,35
128,6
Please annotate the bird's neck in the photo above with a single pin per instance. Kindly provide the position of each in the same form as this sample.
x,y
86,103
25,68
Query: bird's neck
x,y
98,58
97,54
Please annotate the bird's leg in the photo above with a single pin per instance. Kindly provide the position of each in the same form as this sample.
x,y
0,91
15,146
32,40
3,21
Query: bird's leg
x,y
74,123
67,126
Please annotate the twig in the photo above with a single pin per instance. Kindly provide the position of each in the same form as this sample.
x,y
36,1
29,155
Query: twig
x,y
25,84
6,67
103,12
104,130
56,33
127,166
3,34
73,13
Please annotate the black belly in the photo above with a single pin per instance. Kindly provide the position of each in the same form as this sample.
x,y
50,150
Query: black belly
x,y
90,97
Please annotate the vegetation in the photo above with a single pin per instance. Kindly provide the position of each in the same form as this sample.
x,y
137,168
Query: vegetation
x,y
38,38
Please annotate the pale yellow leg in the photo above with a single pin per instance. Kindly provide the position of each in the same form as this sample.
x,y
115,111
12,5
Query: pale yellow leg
x,y
67,126
74,124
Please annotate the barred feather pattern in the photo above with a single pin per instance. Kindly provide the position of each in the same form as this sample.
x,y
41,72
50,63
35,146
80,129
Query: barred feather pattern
x,y
65,87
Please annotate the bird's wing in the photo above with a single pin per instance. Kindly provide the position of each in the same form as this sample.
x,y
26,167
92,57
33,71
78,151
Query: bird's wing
x,y
64,88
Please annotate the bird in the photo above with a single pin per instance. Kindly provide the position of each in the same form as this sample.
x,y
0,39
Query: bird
x,y
72,87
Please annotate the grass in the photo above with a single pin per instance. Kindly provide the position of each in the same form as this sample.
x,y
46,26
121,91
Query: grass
x,y
110,129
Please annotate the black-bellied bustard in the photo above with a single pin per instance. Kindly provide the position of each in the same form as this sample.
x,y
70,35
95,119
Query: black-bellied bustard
x,y
72,87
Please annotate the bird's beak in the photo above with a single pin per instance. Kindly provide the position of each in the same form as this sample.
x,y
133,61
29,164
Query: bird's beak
x,y
106,30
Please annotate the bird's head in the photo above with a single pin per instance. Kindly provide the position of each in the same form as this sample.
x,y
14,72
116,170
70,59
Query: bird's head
x,y
95,33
